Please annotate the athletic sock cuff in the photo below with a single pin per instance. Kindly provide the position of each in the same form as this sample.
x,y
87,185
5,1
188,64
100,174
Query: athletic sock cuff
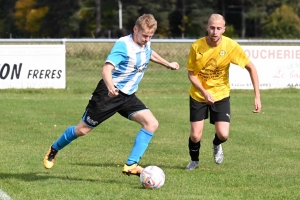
x,y
146,132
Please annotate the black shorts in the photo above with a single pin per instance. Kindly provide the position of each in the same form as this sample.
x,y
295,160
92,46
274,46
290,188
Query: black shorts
x,y
219,111
101,106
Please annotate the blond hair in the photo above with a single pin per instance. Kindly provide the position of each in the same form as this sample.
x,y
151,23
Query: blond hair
x,y
146,21
216,17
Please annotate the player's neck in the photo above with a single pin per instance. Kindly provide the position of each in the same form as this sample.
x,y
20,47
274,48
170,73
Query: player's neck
x,y
212,43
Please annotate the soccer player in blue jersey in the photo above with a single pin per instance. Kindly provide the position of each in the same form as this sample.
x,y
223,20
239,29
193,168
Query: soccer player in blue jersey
x,y
115,93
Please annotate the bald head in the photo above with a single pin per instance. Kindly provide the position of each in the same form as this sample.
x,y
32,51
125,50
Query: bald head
x,y
215,17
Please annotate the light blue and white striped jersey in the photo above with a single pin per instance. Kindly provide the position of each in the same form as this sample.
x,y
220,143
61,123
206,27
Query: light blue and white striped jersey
x,y
130,62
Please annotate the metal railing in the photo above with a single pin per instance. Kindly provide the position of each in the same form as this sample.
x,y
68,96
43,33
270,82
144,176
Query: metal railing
x,y
85,57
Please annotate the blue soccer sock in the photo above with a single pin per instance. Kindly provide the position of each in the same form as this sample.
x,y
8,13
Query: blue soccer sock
x,y
140,145
65,139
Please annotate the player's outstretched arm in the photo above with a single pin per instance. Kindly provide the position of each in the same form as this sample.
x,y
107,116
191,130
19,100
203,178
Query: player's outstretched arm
x,y
254,78
158,59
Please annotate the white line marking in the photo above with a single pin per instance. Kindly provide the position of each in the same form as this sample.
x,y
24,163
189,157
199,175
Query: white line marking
x,y
4,196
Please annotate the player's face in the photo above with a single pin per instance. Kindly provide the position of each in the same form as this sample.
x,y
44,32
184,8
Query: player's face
x,y
215,29
142,36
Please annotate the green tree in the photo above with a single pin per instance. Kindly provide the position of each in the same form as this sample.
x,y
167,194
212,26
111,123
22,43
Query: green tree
x,y
295,5
61,19
28,18
189,18
7,27
230,32
109,24
176,18
283,23
160,9
196,26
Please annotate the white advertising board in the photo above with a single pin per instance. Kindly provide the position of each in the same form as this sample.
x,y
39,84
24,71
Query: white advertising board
x,y
32,66
277,67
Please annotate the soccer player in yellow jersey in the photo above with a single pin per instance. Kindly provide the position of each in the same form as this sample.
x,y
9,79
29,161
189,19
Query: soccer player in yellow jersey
x,y
208,70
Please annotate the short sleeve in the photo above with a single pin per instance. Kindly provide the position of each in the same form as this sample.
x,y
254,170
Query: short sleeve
x,y
239,57
191,64
117,54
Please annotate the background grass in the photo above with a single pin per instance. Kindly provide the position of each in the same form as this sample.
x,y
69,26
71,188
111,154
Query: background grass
x,y
261,156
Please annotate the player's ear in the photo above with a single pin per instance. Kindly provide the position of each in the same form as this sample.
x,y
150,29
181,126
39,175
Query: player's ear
x,y
224,29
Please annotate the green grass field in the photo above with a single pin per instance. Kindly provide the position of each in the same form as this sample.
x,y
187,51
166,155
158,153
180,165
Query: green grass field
x,y
261,156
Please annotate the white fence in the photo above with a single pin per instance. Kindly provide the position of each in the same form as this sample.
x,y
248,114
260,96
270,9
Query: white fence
x,y
44,65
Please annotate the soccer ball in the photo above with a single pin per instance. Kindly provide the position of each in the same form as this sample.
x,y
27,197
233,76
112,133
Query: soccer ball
x,y
152,177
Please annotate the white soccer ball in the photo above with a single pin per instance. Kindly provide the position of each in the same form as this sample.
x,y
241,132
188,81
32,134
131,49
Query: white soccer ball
x,y
152,177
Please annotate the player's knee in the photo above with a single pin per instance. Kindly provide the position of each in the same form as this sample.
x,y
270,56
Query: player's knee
x,y
195,137
155,124
223,136
152,125
82,131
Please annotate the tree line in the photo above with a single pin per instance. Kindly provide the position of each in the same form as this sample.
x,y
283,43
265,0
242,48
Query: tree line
x,y
272,19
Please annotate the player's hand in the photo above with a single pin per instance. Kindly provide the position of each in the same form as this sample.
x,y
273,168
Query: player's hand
x,y
257,105
173,66
208,98
113,92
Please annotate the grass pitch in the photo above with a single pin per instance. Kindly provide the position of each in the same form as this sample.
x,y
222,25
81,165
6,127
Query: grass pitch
x,y
261,156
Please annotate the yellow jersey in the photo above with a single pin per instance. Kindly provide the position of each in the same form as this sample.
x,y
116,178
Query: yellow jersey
x,y
211,66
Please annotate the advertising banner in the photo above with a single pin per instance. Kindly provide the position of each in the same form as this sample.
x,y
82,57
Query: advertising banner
x,y
32,66
277,67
